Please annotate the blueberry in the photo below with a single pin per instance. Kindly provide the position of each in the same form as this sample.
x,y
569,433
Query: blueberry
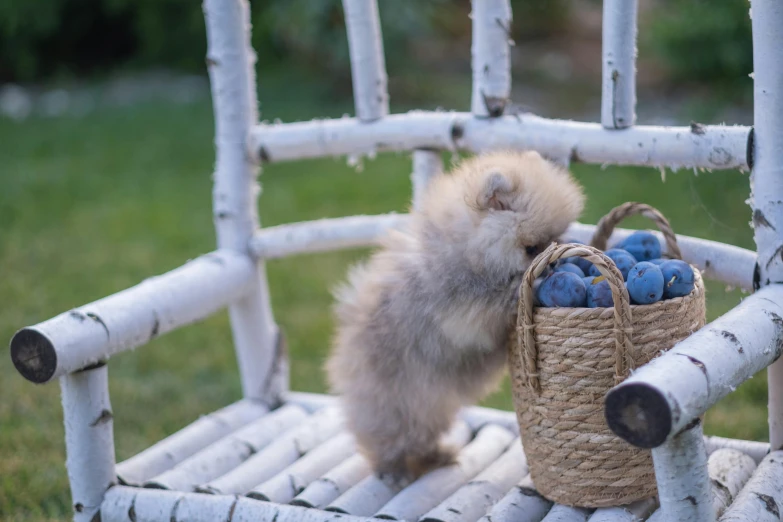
x,y
645,283
570,267
643,245
599,295
622,259
677,278
658,261
562,289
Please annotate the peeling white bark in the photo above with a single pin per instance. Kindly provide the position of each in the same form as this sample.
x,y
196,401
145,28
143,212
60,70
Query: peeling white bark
x,y
229,452
471,501
371,493
711,147
755,450
172,450
662,397
761,500
431,489
284,486
90,334
89,439
263,368
522,504
635,512
157,505
683,482
426,165
491,57
278,455
323,235
368,65
560,513
618,97
766,181
334,483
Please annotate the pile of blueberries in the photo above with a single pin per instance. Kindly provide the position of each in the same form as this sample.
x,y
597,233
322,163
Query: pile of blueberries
x,y
576,283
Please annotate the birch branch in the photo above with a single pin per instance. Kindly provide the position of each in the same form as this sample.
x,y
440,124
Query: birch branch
x,y
368,65
491,57
426,165
755,450
90,334
618,96
635,512
709,146
175,448
560,513
334,483
761,500
522,504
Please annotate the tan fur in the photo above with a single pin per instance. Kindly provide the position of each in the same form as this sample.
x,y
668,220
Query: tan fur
x,y
422,326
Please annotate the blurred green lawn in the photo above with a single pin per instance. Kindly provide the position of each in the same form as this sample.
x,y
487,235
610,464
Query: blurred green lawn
x,y
91,206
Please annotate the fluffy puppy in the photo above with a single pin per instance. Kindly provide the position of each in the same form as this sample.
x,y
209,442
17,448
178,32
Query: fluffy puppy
x,y
422,326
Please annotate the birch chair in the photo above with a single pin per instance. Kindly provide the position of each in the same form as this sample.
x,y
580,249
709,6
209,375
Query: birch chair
x,y
283,456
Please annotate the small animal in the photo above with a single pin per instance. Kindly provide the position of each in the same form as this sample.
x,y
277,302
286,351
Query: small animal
x,y
422,326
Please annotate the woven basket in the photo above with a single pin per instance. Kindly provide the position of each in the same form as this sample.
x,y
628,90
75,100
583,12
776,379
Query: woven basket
x,y
563,361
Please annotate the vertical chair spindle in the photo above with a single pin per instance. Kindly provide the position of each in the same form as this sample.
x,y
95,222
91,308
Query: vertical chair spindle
x,y
491,57
426,165
618,95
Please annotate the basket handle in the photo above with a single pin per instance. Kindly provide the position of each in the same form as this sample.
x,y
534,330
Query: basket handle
x,y
607,223
622,309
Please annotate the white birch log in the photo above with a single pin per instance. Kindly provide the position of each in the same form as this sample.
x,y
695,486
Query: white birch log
x,y
284,486
434,487
618,96
522,504
262,364
560,513
371,493
278,455
711,147
490,57
230,451
766,178
90,334
334,483
717,261
89,439
471,501
683,482
761,499
755,450
126,504
426,165
368,65
635,512
175,448
311,402
323,235
662,397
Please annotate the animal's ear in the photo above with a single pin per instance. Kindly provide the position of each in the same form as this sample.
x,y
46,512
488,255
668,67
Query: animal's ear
x,y
496,191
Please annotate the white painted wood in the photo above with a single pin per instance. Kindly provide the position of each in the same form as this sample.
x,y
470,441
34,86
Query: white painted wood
x,y
368,65
91,333
491,57
334,483
755,450
89,439
278,455
683,482
284,486
635,512
522,504
560,513
766,180
431,489
618,95
761,500
426,165
711,147
228,452
662,397
323,235
471,501
717,261
262,364
371,493
157,505
175,448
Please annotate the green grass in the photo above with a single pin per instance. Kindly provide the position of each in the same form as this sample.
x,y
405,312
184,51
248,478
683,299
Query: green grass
x,y
91,206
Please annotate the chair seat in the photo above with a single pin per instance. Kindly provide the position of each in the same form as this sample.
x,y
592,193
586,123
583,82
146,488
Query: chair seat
x,y
298,462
